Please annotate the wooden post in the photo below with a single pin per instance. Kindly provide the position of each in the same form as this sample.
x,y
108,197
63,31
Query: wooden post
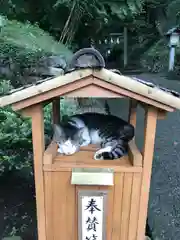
x,y
38,150
56,110
125,46
149,139
132,112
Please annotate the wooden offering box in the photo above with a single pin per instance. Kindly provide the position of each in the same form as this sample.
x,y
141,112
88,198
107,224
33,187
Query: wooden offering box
x,y
77,197
62,197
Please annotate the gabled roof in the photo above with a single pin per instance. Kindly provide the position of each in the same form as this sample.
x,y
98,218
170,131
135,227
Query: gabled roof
x,y
92,79
89,77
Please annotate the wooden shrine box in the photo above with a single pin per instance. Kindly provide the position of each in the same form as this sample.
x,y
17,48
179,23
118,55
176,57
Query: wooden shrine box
x,y
126,181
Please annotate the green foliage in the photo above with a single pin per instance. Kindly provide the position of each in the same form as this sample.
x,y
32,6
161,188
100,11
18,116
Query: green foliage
x,y
155,57
16,136
29,38
15,142
95,15
23,44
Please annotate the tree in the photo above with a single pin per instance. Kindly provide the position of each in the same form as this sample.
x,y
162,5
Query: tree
x,y
98,13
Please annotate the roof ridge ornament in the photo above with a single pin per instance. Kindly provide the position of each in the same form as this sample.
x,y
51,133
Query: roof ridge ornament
x,y
87,58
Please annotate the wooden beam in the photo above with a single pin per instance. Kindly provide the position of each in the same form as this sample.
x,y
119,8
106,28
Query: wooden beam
x,y
56,111
143,105
44,87
149,140
38,150
113,91
162,114
148,94
50,153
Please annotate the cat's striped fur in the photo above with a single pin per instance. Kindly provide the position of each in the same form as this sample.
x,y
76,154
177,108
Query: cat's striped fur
x,y
111,132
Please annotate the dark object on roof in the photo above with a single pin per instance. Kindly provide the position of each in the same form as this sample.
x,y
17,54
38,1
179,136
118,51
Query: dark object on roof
x,y
150,84
87,58
116,71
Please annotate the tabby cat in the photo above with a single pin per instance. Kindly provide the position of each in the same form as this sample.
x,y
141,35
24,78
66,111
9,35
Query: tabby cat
x,y
111,132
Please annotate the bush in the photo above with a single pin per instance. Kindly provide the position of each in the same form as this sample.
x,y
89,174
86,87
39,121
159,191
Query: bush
x,y
156,58
22,45
16,136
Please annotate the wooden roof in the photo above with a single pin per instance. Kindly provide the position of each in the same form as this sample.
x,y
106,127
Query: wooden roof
x,y
45,90
92,81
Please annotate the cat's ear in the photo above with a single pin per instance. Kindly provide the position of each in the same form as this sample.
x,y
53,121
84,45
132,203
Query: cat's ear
x,y
58,132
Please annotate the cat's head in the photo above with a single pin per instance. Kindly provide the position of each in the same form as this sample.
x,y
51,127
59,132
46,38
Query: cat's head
x,y
68,138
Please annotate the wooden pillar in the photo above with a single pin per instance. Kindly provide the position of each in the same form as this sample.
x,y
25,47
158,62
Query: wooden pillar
x,y
132,112
56,110
151,115
38,150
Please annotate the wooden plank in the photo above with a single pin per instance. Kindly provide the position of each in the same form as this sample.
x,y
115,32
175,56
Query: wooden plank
x,y
50,153
110,86
109,222
118,194
38,150
44,87
94,91
71,210
132,112
84,158
67,167
149,94
60,185
162,114
133,94
55,92
49,205
127,188
149,139
134,207
135,156
56,111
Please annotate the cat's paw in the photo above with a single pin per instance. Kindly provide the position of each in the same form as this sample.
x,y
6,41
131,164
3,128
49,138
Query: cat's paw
x,y
103,153
98,156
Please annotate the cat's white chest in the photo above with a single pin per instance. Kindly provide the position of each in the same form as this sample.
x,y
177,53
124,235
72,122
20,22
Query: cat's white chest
x,y
95,138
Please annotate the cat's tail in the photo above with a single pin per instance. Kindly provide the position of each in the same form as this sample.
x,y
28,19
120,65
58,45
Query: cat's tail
x,y
112,151
121,148
115,152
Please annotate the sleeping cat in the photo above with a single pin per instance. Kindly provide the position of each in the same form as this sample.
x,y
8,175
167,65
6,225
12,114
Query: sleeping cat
x,y
111,132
